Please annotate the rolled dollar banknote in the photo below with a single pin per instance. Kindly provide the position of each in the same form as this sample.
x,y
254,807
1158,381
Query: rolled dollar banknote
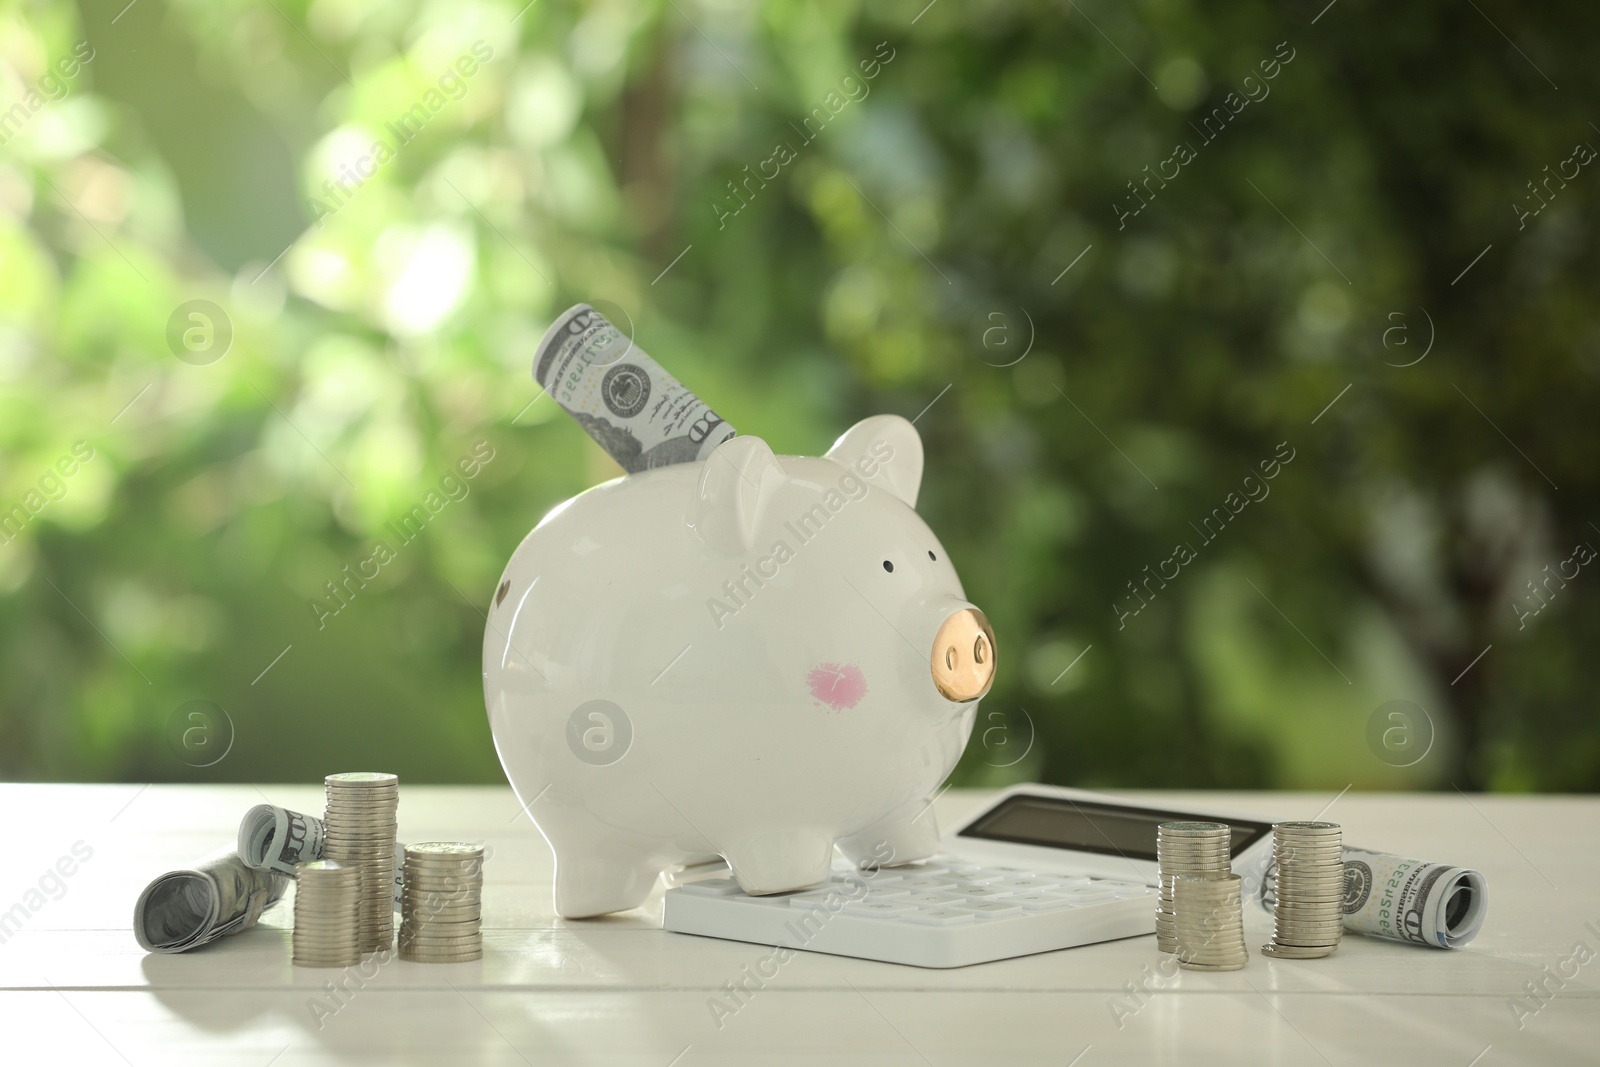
x,y
1404,899
218,896
639,413
278,838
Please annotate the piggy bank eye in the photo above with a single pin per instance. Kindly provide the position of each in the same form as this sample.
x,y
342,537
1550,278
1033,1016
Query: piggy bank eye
x,y
888,566
932,556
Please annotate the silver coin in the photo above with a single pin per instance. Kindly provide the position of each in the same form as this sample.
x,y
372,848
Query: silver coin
x,y
1311,876
413,957
441,922
1168,853
1212,966
444,848
440,901
1305,940
1311,900
1293,952
457,895
429,918
444,936
1191,848
444,867
443,881
441,917
320,869
453,955
426,930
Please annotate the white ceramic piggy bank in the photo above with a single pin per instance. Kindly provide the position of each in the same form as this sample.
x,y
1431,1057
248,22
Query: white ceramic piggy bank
x,y
755,657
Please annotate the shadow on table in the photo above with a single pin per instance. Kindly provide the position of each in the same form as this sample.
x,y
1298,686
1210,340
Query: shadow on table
x,y
318,997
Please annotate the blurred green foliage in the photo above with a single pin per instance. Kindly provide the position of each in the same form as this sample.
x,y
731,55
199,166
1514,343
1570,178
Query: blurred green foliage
x,y
917,235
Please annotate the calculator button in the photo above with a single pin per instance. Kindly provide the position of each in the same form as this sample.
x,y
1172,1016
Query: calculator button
x,y
1042,901
1022,885
879,892
973,892
1066,880
939,917
929,900
993,874
818,896
888,909
1089,896
993,909
925,882
712,887
891,877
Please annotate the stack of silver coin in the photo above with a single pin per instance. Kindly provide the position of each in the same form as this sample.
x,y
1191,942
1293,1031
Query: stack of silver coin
x,y
1185,848
1209,921
326,933
360,824
1308,917
441,906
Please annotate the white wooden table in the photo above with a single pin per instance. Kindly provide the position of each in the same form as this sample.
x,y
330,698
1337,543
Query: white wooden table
x,y
75,988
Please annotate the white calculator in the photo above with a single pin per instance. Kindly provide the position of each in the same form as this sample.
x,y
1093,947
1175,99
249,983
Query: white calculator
x,y
1043,868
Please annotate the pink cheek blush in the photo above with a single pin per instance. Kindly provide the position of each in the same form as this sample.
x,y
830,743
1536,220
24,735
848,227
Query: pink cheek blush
x,y
837,686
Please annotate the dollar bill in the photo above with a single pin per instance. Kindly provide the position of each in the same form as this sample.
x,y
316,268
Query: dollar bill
x,y
641,415
1402,899
279,839
219,895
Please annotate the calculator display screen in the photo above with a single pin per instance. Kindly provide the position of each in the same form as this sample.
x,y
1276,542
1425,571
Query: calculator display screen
x,y
1090,826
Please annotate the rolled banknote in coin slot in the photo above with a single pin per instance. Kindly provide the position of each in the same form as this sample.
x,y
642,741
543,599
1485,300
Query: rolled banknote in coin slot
x,y
1401,899
641,415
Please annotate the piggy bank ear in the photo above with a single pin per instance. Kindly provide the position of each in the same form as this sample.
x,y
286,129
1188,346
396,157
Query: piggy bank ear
x,y
886,451
737,481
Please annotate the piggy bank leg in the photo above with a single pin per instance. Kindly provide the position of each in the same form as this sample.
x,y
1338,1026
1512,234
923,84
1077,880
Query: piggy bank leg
x,y
604,880
905,836
781,862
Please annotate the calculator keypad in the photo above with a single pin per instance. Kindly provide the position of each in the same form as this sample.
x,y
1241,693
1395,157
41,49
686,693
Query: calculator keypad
x,y
940,894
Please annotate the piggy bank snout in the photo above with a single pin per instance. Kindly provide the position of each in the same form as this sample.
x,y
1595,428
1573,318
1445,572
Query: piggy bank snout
x,y
963,656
